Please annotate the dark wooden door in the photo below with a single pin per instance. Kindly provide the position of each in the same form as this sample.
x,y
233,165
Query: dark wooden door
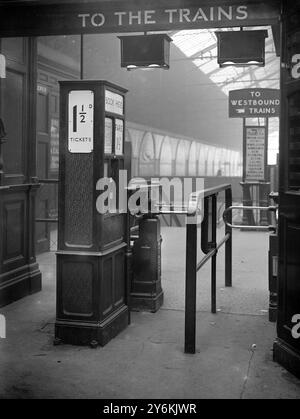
x,y
287,347
58,59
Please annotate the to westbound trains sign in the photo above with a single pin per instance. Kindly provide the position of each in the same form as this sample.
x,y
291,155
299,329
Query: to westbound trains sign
x,y
37,18
254,103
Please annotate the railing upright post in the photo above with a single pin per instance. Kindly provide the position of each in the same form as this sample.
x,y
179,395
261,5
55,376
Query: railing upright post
x,y
128,256
228,246
190,288
214,257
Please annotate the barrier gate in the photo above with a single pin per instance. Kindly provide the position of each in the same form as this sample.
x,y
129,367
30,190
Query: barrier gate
x,y
210,247
200,210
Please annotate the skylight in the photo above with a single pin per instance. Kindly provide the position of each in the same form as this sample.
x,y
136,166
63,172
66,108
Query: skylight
x,y
200,46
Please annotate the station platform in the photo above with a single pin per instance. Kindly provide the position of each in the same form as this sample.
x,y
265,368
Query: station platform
x,y
147,360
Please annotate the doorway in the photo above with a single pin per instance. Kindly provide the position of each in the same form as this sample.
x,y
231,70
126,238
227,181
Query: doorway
x,y
57,60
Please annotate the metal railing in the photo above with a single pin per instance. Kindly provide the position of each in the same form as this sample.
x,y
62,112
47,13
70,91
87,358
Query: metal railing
x,y
229,224
210,247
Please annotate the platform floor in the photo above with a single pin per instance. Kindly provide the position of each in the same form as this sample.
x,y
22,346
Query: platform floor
x,y
234,347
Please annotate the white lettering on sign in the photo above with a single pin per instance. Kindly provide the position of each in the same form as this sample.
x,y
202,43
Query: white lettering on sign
x,y
114,102
249,103
54,145
119,137
81,121
255,153
42,89
296,66
168,16
108,136
96,19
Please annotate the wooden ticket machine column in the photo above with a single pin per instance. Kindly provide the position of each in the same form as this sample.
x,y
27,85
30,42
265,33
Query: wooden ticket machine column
x,y
91,281
287,346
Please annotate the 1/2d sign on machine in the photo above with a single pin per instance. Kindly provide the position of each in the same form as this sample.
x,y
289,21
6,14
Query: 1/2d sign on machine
x,y
254,103
81,121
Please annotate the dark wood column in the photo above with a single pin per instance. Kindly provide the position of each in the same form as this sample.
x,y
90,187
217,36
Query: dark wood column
x,y
19,272
287,346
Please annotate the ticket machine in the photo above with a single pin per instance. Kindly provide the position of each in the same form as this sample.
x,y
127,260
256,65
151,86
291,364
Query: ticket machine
x,y
146,290
91,281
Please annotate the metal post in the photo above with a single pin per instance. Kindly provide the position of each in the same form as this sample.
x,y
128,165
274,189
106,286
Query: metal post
x,y
81,57
214,257
128,256
2,141
228,245
190,289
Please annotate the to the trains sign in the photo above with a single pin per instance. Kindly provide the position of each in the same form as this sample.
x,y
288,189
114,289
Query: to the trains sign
x,y
63,17
254,103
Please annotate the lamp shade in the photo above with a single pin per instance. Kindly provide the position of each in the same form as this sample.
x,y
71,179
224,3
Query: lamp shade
x,y
145,51
241,48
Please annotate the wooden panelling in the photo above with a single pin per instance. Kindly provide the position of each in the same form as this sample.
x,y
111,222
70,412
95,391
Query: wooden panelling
x,y
77,289
15,49
287,347
107,286
119,274
19,272
13,114
14,230
17,109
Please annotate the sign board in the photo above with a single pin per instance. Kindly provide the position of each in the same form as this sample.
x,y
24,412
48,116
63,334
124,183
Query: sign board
x,y
255,153
108,136
114,102
254,103
54,145
119,137
81,121
41,89
115,16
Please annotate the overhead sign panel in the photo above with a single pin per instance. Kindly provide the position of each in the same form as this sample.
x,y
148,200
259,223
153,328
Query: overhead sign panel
x,y
34,19
254,103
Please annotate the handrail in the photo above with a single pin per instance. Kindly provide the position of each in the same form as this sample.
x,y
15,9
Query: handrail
x,y
216,189
46,220
196,197
248,208
45,181
210,247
